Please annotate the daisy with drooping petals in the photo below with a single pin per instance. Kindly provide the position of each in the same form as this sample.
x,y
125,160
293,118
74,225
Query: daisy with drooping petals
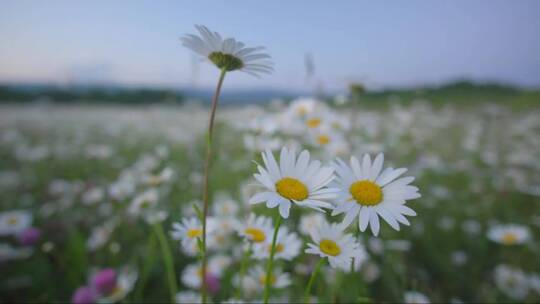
x,y
287,246
329,241
510,234
367,193
257,229
295,180
228,54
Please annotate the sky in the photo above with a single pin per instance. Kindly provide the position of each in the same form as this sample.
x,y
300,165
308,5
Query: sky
x,y
378,43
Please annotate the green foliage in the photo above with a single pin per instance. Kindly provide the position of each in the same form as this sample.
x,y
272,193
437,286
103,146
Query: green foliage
x,y
91,95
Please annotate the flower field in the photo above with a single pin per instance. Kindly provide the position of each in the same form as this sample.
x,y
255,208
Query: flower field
x,y
104,203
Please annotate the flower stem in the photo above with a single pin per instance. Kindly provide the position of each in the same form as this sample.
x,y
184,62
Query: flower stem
x,y
207,176
270,261
167,259
312,279
147,265
243,266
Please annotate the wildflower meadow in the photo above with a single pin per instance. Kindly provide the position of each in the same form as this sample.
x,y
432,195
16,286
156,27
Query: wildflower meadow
x,y
336,198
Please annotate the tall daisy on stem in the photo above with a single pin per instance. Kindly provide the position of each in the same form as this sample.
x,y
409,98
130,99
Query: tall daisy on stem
x,y
227,55
295,181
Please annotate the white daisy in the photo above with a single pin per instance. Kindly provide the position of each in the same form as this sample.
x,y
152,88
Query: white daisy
x,y
225,207
8,252
144,202
512,281
415,297
14,221
295,180
329,241
192,274
367,193
510,234
287,246
125,283
310,222
188,230
256,229
277,279
228,54
188,297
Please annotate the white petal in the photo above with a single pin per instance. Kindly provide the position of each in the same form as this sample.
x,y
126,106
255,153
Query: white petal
x,y
284,208
377,166
374,223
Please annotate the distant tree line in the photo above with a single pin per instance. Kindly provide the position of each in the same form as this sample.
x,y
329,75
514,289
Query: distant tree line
x,y
99,95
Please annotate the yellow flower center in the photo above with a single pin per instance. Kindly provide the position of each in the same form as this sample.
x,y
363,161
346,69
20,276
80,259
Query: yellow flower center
x,y
366,193
279,248
509,238
12,221
292,189
154,180
329,247
313,122
117,290
194,232
262,280
323,139
256,235
301,110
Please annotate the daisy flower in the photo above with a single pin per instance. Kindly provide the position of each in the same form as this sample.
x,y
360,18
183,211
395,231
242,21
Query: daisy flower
x,y
277,279
415,297
14,221
188,297
124,285
287,246
510,234
188,230
295,180
311,221
225,207
144,202
512,281
367,193
228,54
192,274
257,229
330,242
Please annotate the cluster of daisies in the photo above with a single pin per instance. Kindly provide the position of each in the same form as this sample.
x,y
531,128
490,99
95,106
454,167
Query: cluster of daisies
x,y
362,190
304,122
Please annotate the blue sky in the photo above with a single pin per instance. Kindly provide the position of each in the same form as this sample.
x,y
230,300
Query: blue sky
x,y
383,44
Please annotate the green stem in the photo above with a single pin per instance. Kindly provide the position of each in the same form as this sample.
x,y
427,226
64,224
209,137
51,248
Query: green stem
x,y
206,183
148,262
167,259
243,266
270,261
312,279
